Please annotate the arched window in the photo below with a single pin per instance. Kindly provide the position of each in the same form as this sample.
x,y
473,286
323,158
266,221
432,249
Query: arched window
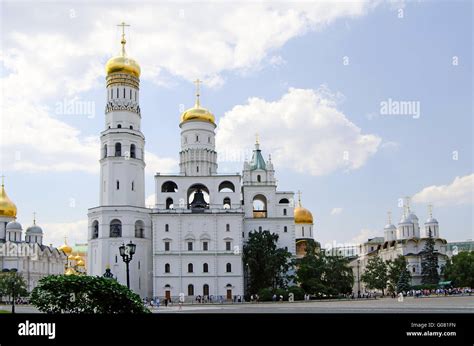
x,y
414,270
227,227
167,268
228,267
169,186
130,94
302,230
133,151
119,126
284,201
169,203
167,228
205,290
95,229
118,149
133,186
115,228
226,203
131,127
190,268
284,212
123,92
285,229
259,206
117,93
260,228
226,186
198,197
205,268
259,179
197,169
118,185
105,150
190,290
139,229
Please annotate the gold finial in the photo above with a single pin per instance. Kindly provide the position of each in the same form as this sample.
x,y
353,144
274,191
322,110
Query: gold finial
x,y
3,180
389,214
197,82
299,198
257,139
123,41
34,218
430,210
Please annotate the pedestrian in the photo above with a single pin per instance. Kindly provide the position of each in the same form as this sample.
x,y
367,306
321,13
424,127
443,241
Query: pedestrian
x,y
166,302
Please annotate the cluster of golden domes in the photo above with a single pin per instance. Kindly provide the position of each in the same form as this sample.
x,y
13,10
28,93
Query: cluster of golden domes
x,y
71,258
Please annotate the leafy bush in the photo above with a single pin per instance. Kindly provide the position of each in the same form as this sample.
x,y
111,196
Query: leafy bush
x,y
297,291
265,294
84,294
283,292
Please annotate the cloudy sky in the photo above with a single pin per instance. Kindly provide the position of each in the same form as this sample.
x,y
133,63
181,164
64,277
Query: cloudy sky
x,y
359,103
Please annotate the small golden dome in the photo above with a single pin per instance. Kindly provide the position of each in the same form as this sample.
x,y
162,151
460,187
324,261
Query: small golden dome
x,y
70,271
302,215
122,64
80,263
197,113
71,257
78,258
65,248
7,207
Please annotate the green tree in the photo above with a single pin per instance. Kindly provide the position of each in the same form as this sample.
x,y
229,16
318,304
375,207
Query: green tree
x,y
460,269
12,285
429,262
404,281
85,294
324,275
395,269
375,275
268,265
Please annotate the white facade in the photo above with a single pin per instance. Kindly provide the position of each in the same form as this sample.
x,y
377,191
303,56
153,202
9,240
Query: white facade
x,y
190,242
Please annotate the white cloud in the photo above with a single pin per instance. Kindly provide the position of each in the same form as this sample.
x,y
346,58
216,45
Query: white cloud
x,y
303,131
57,51
54,233
460,191
364,235
336,211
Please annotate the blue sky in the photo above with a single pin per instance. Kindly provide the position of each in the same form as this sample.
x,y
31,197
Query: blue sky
x,y
403,59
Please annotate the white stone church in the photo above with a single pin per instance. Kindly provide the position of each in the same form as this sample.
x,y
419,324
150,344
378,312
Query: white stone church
x,y
191,241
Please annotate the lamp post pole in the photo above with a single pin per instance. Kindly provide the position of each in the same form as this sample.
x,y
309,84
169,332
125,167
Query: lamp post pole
x,y
358,279
127,252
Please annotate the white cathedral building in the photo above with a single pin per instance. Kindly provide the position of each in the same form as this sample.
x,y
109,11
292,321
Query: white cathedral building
x,y
191,241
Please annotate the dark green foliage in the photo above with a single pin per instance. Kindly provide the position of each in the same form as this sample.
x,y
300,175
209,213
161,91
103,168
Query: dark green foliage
x,y
298,292
375,275
84,294
429,262
395,270
460,269
12,285
404,281
322,275
268,265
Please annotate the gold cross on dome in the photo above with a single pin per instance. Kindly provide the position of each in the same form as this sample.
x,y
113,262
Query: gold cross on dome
x,y
197,82
3,180
123,25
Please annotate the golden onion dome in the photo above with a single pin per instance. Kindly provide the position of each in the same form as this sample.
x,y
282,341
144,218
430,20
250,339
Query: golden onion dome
x,y
197,112
302,215
78,258
71,257
80,263
70,271
7,207
121,63
65,248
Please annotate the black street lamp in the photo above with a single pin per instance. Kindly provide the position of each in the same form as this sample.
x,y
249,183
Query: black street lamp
x,y
127,252
358,279
13,271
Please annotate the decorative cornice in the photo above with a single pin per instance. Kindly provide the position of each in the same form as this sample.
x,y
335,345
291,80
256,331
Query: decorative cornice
x,y
122,105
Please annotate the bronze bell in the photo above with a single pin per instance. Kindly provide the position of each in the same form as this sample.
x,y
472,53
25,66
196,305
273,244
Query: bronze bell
x,y
198,200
